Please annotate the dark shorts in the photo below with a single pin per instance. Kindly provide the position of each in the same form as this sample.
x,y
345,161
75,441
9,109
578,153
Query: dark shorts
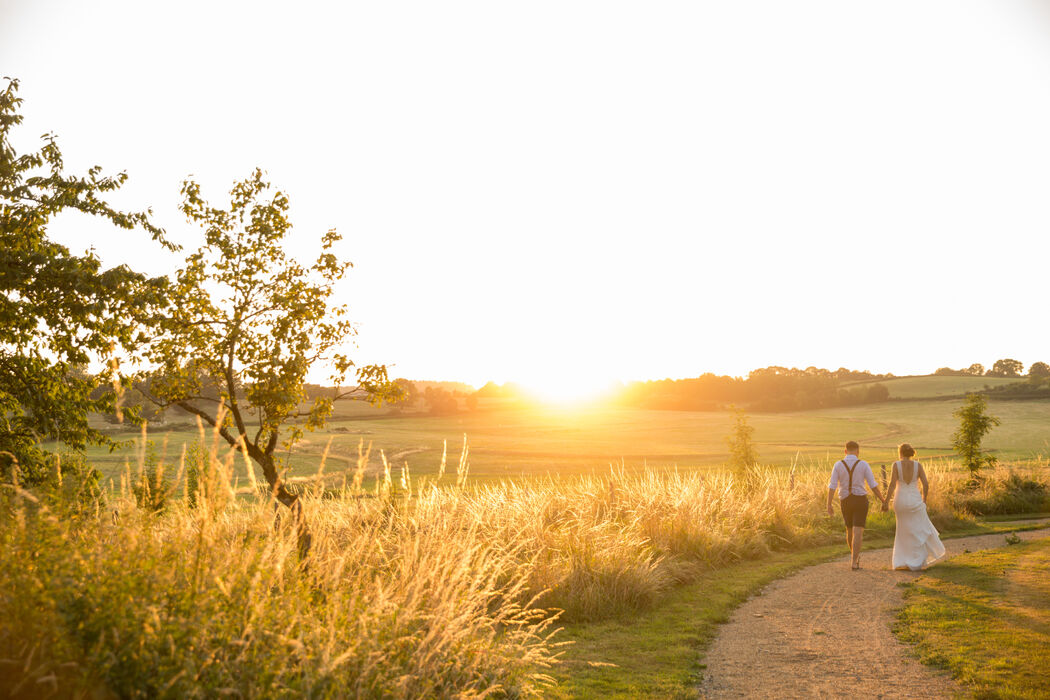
x,y
854,510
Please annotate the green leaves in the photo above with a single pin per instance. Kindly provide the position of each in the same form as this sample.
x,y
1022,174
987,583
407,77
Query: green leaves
x,y
742,454
233,333
253,321
974,424
58,311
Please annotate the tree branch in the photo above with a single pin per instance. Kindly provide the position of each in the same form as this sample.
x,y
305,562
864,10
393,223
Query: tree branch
x,y
190,408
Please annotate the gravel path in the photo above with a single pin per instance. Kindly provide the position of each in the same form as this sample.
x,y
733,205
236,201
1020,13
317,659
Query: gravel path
x,y
825,633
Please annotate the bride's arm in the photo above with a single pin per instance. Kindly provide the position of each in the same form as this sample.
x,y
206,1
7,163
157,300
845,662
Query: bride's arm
x,y
893,484
925,483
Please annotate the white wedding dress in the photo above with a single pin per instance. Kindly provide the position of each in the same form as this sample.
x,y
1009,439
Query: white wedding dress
x,y
917,544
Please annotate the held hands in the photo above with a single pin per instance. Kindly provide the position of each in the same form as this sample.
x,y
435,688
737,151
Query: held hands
x,y
831,511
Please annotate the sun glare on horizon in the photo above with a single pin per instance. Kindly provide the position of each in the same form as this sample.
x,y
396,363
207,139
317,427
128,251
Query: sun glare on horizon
x,y
568,390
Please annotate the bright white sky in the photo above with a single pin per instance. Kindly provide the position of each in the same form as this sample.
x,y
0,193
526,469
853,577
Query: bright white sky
x,y
580,192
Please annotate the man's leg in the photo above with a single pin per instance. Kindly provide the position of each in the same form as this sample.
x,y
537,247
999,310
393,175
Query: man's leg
x,y
847,517
856,542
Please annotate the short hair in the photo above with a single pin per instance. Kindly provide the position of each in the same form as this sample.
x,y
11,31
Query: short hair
x,y
852,446
905,450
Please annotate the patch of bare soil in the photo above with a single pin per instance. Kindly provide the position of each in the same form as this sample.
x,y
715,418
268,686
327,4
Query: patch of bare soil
x,y
825,632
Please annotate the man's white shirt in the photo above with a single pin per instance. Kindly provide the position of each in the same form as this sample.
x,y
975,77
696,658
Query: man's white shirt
x,y
861,474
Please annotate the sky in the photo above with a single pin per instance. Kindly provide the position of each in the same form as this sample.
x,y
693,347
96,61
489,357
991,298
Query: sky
x,y
565,194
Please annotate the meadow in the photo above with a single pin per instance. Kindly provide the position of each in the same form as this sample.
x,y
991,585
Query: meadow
x,y
197,589
933,386
419,583
513,439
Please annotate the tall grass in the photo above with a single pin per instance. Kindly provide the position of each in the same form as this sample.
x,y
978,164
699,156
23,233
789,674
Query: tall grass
x,y
1002,491
190,586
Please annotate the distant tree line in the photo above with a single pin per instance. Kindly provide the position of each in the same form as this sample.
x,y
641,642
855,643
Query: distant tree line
x,y
1037,385
434,398
1006,367
767,389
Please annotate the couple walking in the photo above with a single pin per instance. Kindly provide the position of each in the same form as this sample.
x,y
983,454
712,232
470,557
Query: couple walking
x,y
916,543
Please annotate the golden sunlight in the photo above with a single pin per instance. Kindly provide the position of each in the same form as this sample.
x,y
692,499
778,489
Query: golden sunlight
x,y
568,389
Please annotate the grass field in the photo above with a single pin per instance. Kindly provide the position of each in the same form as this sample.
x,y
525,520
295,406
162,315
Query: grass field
x,y
455,589
513,440
985,617
937,387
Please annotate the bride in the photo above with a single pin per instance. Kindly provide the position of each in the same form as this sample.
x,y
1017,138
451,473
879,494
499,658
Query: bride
x,y
917,543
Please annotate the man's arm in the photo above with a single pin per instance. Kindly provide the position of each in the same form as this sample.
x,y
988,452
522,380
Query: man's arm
x,y
831,488
874,484
878,494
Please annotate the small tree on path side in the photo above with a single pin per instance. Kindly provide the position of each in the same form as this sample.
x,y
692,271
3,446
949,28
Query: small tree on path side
x,y
742,455
248,319
974,424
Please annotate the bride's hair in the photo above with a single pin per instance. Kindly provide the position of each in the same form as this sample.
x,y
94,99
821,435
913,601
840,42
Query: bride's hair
x,y
906,451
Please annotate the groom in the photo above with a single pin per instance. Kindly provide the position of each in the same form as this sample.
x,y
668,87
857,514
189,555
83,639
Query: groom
x,y
849,476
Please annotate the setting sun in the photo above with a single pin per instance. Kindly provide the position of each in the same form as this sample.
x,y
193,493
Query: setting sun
x,y
568,389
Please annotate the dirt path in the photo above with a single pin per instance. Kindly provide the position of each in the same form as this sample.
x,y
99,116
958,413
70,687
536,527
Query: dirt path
x,y
825,633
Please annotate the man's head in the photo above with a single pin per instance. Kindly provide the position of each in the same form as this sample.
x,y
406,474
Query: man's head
x,y
852,448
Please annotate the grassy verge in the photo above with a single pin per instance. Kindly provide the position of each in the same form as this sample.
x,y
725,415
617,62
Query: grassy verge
x,y
658,654
1014,517
985,617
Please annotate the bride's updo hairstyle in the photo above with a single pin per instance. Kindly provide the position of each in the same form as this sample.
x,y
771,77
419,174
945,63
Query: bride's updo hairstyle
x,y
906,451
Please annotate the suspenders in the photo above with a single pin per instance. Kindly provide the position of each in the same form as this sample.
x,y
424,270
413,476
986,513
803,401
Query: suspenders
x,y
849,491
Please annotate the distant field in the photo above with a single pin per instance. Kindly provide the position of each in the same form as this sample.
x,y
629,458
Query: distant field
x,y
507,440
933,387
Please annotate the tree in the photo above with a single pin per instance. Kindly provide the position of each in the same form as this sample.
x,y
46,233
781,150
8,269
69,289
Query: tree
x,y
132,400
878,393
1006,368
742,455
974,424
440,402
1039,370
253,322
408,394
975,370
491,390
59,312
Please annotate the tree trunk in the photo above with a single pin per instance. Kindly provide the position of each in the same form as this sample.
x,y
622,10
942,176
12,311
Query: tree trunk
x,y
292,501
264,458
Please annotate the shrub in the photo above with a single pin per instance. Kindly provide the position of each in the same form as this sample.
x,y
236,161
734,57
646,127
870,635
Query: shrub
x,y
743,458
1003,492
57,478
